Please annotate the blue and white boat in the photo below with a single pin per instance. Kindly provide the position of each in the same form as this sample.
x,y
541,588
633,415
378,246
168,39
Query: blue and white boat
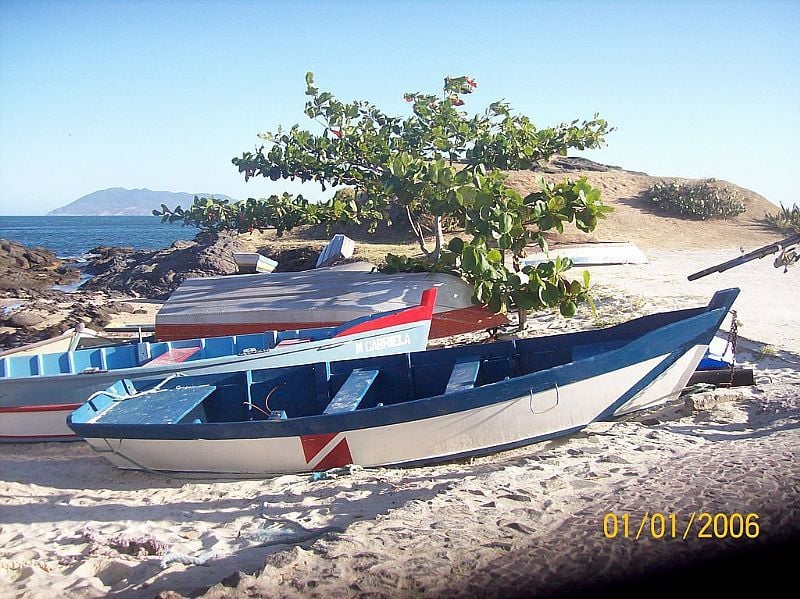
x,y
405,409
37,391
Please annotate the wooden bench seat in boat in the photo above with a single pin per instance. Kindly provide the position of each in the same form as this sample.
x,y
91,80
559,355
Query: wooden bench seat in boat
x,y
165,406
174,356
464,376
352,392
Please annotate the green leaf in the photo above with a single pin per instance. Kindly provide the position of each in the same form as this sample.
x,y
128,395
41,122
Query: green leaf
x,y
469,259
482,265
482,292
456,245
550,294
586,278
506,223
494,255
568,309
497,305
526,300
542,243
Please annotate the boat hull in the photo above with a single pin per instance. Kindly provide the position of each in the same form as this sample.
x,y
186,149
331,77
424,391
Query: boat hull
x,y
35,408
609,373
522,418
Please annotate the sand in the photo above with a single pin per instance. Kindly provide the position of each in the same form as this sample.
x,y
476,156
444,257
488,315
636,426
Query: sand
x,y
527,521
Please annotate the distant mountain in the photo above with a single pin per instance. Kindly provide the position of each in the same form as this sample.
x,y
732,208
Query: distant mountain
x,y
127,202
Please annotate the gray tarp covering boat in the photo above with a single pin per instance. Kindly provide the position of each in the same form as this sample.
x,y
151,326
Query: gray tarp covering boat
x,y
241,304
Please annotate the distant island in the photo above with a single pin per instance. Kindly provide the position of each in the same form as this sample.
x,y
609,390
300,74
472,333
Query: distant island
x,y
118,201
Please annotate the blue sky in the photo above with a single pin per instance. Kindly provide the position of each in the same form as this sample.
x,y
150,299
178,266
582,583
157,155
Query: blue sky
x,y
160,94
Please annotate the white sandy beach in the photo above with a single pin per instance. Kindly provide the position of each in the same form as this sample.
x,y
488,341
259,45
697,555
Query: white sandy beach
x,y
527,521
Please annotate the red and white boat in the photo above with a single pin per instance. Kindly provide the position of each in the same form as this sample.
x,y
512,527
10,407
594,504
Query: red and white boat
x,y
239,304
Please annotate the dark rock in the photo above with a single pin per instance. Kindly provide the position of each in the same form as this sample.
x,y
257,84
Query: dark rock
x,y
21,319
121,307
32,268
297,258
181,244
233,580
156,274
705,402
561,164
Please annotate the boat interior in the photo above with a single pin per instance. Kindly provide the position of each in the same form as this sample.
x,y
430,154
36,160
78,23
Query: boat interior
x,y
339,387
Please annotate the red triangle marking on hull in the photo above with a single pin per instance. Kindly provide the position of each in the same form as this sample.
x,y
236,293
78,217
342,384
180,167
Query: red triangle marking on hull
x,y
339,456
313,444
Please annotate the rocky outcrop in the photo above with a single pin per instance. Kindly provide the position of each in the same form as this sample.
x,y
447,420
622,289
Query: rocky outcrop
x,y
45,314
32,268
156,274
568,164
42,312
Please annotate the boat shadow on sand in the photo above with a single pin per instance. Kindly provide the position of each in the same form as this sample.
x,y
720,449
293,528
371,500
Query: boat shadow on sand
x,y
253,521
352,498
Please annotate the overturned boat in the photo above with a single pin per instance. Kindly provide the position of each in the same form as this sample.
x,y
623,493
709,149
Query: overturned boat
x,y
324,297
405,409
38,390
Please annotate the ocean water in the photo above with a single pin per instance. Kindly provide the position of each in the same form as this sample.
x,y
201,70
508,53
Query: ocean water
x,y
74,236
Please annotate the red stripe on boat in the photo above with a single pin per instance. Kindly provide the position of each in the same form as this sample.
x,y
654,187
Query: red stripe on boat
x,y
422,312
62,407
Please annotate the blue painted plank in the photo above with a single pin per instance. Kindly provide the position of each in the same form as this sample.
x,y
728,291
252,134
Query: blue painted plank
x,y
352,392
166,406
463,376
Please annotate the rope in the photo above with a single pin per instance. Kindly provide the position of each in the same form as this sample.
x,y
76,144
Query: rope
x,y
733,337
266,401
155,389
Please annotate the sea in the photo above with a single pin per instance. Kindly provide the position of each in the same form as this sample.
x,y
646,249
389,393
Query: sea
x,y
74,236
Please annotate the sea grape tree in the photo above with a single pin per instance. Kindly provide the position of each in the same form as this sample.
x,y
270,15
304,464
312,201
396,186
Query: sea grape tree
x,y
439,164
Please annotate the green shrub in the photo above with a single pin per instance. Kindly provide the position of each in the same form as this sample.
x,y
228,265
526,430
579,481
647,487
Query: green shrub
x,y
700,200
785,219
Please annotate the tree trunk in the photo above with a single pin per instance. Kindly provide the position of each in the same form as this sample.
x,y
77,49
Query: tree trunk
x,y
418,232
437,252
523,318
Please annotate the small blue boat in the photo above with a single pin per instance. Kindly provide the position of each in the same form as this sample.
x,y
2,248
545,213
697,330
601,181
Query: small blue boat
x,y
403,409
38,391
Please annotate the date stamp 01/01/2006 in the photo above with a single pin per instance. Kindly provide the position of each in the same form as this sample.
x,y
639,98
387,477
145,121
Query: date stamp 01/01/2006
x,y
699,525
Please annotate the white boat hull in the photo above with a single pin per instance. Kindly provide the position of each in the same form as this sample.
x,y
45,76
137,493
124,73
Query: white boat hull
x,y
521,420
